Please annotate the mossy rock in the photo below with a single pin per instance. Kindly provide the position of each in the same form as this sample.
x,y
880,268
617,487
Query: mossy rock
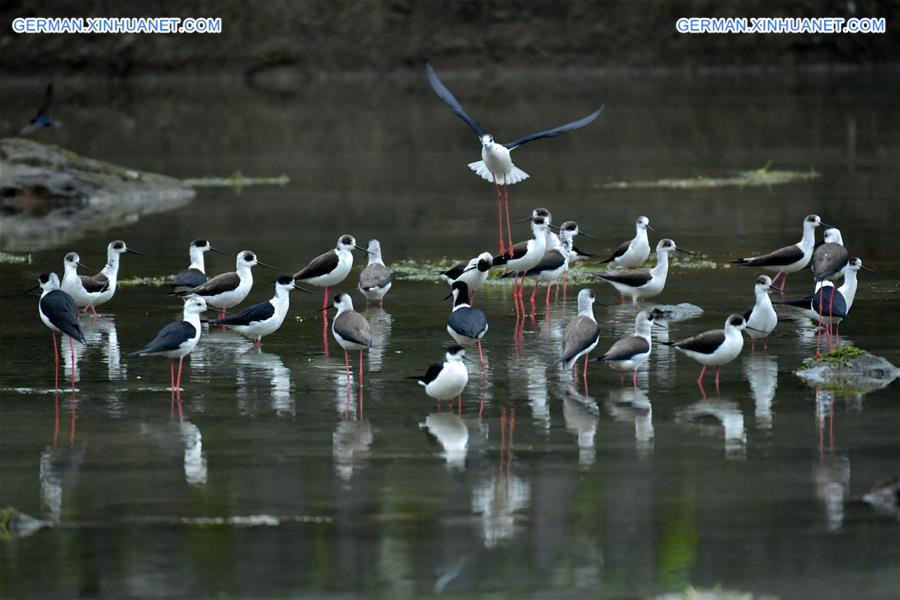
x,y
848,369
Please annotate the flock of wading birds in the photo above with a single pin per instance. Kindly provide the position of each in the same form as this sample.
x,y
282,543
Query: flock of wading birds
x,y
545,258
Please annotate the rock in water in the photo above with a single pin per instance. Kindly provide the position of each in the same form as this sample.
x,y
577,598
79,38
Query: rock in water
x,y
849,367
49,195
677,312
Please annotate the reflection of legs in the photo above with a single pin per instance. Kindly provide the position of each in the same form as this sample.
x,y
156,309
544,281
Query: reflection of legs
x,y
347,363
325,322
584,374
172,377
72,349
633,378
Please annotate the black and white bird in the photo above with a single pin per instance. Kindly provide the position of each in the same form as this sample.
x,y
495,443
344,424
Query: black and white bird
x,y
264,318
572,229
472,272
330,268
466,325
714,348
582,333
762,318
195,274
496,163
633,253
94,290
229,289
643,283
524,256
59,313
446,380
550,268
632,351
42,118
830,258
178,339
789,259
375,279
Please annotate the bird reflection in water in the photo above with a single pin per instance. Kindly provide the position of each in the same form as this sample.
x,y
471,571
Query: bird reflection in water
x,y
500,496
351,441
709,415
580,414
832,471
452,434
181,439
101,333
380,323
59,466
263,374
633,405
761,371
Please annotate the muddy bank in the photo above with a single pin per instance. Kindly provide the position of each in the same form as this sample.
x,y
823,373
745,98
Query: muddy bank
x,y
50,195
337,36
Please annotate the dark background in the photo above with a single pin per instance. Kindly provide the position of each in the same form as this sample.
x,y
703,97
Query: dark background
x,y
317,38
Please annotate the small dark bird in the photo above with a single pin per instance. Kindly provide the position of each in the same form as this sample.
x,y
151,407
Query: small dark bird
x,y
42,118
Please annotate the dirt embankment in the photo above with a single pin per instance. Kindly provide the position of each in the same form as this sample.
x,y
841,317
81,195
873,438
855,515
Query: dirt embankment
x,y
316,37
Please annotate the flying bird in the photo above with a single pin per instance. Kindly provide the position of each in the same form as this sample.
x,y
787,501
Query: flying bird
x,y
42,118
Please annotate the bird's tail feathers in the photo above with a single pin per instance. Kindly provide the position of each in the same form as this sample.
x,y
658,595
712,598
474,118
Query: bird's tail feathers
x,y
515,175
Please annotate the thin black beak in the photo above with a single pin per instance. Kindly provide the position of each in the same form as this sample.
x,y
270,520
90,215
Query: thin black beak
x,y
824,224
82,266
587,235
130,251
682,250
217,251
28,291
522,220
865,268
753,329
550,226
304,290
448,296
361,248
262,264
650,228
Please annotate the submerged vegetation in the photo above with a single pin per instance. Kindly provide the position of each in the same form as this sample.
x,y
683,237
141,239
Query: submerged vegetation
x,y
840,357
756,177
236,181
14,259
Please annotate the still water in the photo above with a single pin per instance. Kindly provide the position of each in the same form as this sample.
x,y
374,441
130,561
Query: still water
x,y
279,479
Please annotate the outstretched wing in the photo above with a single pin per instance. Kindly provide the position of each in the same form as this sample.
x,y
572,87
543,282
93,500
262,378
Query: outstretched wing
x,y
441,90
556,130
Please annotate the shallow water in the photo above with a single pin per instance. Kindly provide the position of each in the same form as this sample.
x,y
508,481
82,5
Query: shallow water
x,y
274,481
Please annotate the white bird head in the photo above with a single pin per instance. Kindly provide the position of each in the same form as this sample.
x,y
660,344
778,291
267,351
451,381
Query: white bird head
x,y
539,224
48,281
456,353
343,302
72,261
586,300
833,236
643,322
812,221
194,305
487,140
735,322
643,223
763,283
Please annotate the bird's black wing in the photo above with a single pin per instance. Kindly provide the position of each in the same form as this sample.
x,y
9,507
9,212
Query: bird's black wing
x,y
635,278
95,283
432,373
805,302
469,322
60,308
169,338
618,252
320,265
251,314
580,252
704,343
828,302
579,334
556,130
188,280
627,348
45,103
456,270
783,256
549,262
515,251
217,285
441,90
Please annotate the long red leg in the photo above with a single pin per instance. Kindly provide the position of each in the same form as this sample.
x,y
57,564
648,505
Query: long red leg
x,y
533,292
360,369
72,349
634,378
777,275
178,381
325,323
783,282
547,299
55,362
702,373
565,284
819,332
347,363
506,200
717,379
172,376
499,216
481,354
459,404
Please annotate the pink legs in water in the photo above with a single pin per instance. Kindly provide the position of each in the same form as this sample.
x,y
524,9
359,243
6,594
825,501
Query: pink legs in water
x,y
325,323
